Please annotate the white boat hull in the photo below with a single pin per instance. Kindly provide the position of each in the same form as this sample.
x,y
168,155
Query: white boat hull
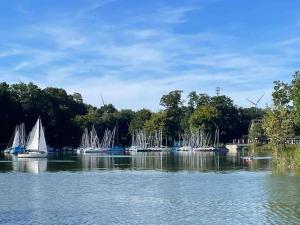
x,y
95,150
33,155
7,151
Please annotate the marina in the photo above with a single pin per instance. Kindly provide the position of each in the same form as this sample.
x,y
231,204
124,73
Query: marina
x,y
153,112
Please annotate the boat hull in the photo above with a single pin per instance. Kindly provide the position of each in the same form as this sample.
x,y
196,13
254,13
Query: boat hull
x,y
33,155
17,150
95,150
7,151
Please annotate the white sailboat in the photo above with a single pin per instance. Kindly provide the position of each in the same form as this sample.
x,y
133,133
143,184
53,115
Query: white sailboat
x,y
36,146
90,142
18,142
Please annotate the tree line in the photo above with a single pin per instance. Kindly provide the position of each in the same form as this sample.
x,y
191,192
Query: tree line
x,y
281,121
65,115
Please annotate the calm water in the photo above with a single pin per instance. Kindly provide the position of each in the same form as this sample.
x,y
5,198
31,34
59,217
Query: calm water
x,y
146,188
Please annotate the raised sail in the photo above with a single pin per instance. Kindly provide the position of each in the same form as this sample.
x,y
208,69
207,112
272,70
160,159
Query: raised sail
x,y
42,140
33,142
36,146
16,141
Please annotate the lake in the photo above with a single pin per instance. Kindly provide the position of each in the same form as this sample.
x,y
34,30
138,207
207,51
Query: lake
x,y
146,188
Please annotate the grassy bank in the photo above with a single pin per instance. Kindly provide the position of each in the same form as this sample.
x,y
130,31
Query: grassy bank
x,y
287,156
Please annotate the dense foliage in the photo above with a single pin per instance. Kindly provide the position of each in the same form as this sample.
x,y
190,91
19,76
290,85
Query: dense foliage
x,y
65,116
282,121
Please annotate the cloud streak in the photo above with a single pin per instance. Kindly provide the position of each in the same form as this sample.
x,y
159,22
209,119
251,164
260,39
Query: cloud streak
x,y
140,59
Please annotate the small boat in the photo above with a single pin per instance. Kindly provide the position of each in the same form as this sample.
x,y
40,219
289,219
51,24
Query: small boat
x,y
90,142
256,157
18,141
36,146
247,158
135,149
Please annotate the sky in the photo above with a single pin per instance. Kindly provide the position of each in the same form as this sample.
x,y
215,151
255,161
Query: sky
x,y
134,51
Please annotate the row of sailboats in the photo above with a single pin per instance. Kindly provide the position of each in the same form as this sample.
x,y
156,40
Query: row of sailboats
x,y
90,142
199,141
151,142
35,147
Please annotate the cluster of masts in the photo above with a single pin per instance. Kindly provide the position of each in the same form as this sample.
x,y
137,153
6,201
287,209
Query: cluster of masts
x,y
141,141
35,147
18,139
200,140
90,142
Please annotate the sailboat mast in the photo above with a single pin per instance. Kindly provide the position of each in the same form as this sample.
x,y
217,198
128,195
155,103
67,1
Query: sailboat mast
x,y
39,133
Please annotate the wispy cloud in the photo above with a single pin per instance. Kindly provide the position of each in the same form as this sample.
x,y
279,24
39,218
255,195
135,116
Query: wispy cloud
x,y
290,41
20,8
140,58
93,5
174,14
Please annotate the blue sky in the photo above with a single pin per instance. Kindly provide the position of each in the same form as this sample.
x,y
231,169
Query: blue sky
x,y
134,51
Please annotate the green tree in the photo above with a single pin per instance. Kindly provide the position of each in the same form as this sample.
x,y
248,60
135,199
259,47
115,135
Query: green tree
x,y
281,94
228,120
172,103
278,125
156,122
256,132
204,117
278,120
124,118
195,99
77,97
139,119
295,97
10,114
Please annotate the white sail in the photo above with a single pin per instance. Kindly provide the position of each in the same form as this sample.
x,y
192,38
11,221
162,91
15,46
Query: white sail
x,y
42,141
33,142
37,140
16,141
22,134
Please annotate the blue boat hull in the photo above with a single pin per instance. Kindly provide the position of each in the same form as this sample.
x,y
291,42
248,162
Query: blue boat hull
x,y
17,150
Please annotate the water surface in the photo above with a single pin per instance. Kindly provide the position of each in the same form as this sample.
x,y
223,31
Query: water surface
x,y
146,188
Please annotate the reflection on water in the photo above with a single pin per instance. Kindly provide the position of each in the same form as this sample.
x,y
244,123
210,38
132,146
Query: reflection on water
x,y
138,189
164,161
31,165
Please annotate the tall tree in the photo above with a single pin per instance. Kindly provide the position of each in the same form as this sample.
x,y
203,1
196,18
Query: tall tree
x,y
172,103
228,119
139,119
294,89
158,121
204,117
278,121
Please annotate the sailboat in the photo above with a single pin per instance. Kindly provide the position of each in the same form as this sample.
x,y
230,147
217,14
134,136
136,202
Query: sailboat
x,y
18,143
36,145
90,142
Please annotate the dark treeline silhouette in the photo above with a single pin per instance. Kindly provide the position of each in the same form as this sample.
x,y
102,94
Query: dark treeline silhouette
x,y
65,116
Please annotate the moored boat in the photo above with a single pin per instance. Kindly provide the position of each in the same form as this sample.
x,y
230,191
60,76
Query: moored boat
x,y
17,143
36,146
90,142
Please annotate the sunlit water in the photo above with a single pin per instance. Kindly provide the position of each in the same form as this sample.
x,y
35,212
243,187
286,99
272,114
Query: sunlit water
x,y
146,188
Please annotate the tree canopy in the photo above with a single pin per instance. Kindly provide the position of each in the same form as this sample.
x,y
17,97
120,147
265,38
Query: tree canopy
x,y
66,115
